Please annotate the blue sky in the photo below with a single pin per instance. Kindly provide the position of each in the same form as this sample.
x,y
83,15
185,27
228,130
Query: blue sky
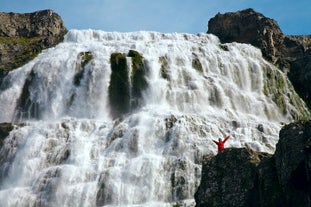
x,y
190,16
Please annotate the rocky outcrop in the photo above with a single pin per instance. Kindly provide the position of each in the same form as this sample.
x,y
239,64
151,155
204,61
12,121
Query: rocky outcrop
x,y
241,177
126,85
23,36
229,178
291,54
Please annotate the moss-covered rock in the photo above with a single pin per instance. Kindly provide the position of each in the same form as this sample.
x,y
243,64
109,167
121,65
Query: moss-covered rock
x,y
164,68
25,49
280,90
138,78
127,86
83,59
119,87
5,129
26,108
196,64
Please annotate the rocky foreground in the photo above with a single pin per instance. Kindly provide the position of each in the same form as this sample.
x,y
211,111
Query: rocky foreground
x,y
241,177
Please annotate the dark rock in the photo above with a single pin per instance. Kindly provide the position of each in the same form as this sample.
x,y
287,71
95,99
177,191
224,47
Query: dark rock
x,y
291,54
126,87
138,79
248,26
83,59
230,179
170,121
23,36
164,68
105,191
119,87
293,163
240,177
27,108
5,129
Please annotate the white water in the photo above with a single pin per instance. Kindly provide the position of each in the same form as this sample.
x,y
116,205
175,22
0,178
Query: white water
x,y
75,150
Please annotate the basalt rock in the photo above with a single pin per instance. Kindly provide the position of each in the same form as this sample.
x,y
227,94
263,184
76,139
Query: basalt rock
x,y
230,179
293,164
24,36
291,54
127,83
5,129
241,177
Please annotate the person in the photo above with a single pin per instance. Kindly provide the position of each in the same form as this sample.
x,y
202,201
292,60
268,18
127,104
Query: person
x,y
221,144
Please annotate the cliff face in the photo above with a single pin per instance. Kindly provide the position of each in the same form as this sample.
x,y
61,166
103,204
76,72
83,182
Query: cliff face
x,y
241,177
291,54
23,36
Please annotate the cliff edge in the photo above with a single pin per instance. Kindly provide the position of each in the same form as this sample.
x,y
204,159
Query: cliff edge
x,y
24,36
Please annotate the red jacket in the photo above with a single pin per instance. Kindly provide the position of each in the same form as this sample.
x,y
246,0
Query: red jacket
x,y
221,144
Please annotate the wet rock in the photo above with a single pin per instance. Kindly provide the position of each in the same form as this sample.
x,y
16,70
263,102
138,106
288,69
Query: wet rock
x,y
5,129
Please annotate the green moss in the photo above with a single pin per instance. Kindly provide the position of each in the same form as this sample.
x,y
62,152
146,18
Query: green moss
x,y
86,58
164,68
83,59
280,90
19,40
119,87
196,64
275,87
27,107
138,78
28,49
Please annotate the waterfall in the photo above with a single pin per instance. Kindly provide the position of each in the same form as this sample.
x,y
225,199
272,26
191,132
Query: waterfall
x,y
67,149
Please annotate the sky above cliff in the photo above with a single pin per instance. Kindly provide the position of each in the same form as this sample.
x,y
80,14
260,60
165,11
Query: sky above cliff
x,y
190,16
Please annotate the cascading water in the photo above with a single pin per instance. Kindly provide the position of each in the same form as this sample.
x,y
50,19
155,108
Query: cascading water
x,y
68,151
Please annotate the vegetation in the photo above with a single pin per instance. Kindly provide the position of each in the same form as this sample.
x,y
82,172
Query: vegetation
x,y
279,89
119,87
164,67
24,49
138,78
85,58
196,64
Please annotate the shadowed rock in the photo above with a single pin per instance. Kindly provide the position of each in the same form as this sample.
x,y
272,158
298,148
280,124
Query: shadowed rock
x,y
241,177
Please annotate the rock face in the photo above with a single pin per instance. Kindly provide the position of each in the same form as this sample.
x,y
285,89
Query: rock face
x,y
23,36
291,54
241,177
126,85
233,182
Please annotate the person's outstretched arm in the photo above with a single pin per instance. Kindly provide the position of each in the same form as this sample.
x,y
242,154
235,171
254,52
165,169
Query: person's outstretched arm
x,y
215,142
226,138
